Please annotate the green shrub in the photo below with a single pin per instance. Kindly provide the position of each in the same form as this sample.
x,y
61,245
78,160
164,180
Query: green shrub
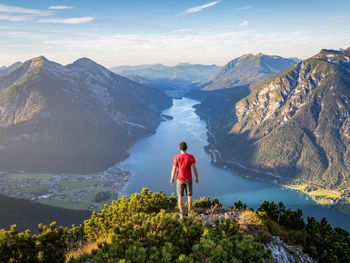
x,y
206,203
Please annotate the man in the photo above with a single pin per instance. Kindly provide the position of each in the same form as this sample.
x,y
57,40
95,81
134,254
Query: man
x,y
182,168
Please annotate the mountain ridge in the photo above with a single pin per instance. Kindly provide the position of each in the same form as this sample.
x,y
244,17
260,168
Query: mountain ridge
x,y
81,112
294,124
247,69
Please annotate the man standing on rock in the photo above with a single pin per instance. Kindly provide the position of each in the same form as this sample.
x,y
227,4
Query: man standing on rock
x,y
182,169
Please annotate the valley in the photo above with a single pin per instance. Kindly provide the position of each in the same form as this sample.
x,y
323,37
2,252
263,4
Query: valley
x,y
79,192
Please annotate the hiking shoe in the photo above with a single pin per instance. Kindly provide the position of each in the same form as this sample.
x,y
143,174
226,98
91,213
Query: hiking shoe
x,y
181,216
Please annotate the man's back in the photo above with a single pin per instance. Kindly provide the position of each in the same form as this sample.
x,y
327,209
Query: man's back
x,y
183,162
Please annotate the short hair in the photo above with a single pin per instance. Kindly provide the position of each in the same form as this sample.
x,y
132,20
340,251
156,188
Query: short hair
x,y
183,146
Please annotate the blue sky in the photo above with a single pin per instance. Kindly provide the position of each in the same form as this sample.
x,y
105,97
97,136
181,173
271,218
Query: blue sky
x,y
134,32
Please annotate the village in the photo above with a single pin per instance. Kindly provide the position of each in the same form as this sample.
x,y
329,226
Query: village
x,y
72,191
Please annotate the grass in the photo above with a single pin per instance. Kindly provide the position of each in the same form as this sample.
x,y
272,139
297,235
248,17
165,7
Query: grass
x,y
23,176
320,195
83,204
65,204
325,193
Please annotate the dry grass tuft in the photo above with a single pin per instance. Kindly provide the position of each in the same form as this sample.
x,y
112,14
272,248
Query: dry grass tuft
x,y
85,249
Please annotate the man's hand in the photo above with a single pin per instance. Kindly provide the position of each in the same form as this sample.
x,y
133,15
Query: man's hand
x,y
197,180
173,173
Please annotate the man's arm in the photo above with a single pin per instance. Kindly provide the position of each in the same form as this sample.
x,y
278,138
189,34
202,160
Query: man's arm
x,y
195,171
173,173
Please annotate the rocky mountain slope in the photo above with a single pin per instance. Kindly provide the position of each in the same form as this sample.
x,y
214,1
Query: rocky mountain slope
x,y
295,124
246,70
75,118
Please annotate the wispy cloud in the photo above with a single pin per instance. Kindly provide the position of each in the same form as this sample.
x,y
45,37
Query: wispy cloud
x,y
199,8
72,20
14,18
182,30
201,46
243,24
21,14
9,9
60,7
247,7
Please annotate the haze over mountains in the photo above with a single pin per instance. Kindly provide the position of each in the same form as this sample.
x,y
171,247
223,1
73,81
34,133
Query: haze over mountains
x,y
176,81
183,71
295,124
75,118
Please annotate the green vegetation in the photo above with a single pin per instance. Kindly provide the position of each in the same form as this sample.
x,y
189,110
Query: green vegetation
x,y
318,239
146,228
27,215
64,191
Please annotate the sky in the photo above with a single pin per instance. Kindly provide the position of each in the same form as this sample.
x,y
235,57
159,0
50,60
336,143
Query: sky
x,y
132,32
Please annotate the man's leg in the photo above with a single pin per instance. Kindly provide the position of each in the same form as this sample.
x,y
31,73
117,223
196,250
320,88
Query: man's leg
x,y
180,194
189,195
180,203
189,203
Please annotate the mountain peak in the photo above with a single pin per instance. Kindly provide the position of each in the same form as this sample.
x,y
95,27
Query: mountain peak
x,y
84,61
37,62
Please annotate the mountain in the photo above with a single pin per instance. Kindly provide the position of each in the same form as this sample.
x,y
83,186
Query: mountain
x,y
175,81
182,71
246,70
295,125
27,215
7,70
75,118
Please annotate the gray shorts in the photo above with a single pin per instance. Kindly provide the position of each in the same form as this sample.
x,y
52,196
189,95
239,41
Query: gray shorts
x,y
181,187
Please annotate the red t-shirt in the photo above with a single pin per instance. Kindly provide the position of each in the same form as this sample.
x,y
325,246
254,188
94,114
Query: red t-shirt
x,y
184,162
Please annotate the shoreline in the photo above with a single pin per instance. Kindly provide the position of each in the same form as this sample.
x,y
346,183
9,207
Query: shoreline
x,y
321,196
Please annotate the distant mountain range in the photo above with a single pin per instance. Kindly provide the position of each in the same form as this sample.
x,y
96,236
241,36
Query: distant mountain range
x,y
246,70
176,81
76,118
7,70
295,124
183,71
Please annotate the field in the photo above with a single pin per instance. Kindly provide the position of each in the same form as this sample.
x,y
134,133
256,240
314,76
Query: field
x,y
89,192
321,196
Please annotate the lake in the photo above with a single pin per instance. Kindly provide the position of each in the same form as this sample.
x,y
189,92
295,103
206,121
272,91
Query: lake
x,y
150,162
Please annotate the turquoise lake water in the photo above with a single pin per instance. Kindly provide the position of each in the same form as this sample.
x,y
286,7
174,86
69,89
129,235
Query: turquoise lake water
x,y
150,162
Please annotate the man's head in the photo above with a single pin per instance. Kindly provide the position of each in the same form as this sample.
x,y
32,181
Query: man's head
x,y
183,146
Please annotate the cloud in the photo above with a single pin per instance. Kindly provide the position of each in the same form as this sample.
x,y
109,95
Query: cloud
x,y
13,18
203,45
72,20
243,24
182,30
9,9
199,8
60,7
21,14
247,7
